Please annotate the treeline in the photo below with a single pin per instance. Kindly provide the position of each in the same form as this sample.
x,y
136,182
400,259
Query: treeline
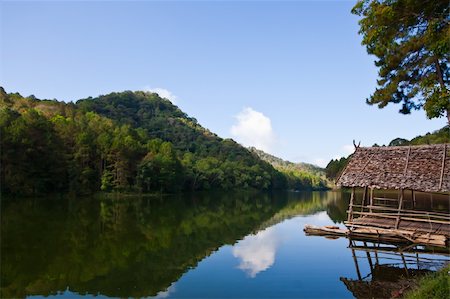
x,y
336,166
300,176
436,137
129,141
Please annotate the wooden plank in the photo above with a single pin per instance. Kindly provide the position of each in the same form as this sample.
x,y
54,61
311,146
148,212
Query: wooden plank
x,y
383,215
411,211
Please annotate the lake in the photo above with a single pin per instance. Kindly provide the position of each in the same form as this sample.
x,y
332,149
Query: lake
x,y
201,245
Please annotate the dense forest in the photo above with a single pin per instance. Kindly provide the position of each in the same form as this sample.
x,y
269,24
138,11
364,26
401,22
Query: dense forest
x,y
335,166
300,176
128,141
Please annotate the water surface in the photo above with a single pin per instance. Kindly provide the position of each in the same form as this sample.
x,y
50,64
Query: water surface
x,y
204,245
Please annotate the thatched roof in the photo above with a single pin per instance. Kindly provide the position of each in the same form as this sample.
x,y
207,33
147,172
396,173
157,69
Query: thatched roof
x,y
422,168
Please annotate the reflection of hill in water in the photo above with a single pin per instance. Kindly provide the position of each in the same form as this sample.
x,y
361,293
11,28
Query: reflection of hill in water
x,y
119,247
309,203
129,246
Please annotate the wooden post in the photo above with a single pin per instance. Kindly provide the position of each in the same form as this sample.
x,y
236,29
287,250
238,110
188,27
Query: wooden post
x,y
400,204
443,166
413,195
431,196
404,264
364,199
356,264
350,209
371,199
369,259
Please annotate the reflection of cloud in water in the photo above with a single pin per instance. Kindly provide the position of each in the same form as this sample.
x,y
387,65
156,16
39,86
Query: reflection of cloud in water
x,y
257,252
166,293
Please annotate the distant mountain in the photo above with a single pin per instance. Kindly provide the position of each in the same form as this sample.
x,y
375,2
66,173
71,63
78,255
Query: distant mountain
x,y
305,172
280,163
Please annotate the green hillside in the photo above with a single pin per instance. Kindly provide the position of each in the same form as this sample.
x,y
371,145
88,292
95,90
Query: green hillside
x,y
300,176
128,141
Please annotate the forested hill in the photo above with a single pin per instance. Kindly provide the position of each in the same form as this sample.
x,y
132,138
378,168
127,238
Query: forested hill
x,y
278,162
128,141
300,175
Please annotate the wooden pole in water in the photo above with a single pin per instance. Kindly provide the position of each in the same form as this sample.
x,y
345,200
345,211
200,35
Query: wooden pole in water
x,y
350,209
413,195
404,264
400,204
369,259
356,264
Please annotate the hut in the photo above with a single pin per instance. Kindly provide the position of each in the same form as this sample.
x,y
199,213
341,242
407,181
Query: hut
x,y
399,193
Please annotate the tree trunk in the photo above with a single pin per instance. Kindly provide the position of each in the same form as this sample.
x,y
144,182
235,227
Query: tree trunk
x,y
441,83
439,73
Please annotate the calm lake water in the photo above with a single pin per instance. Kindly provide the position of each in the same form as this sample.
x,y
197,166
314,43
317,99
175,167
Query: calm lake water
x,y
203,245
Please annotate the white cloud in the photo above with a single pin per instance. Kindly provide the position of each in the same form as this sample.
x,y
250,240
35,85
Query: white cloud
x,y
166,293
348,149
321,162
257,252
345,151
254,129
163,93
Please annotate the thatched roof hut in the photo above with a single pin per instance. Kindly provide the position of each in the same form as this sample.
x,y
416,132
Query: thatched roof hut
x,y
423,168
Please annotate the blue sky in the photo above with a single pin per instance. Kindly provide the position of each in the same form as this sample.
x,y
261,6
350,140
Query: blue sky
x,y
290,77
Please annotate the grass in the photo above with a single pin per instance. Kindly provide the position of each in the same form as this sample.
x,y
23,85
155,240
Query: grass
x,y
432,286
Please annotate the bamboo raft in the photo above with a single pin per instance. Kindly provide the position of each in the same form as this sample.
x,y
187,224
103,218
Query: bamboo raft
x,y
379,235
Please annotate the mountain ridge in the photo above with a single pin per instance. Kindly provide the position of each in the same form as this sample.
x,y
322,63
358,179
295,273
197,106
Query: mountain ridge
x,y
122,141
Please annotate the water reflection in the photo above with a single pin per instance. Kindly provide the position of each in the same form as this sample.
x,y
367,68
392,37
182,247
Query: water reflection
x,y
390,267
136,247
257,252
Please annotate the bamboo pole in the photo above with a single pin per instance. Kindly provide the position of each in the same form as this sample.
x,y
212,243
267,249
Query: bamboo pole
x,y
404,263
350,212
443,166
364,199
394,216
356,264
410,211
369,258
371,199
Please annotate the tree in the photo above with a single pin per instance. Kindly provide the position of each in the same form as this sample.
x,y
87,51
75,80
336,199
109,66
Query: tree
x,y
410,40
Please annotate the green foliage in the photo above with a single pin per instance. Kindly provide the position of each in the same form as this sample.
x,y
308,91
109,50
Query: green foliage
x,y
433,286
410,40
129,141
437,137
298,176
335,167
